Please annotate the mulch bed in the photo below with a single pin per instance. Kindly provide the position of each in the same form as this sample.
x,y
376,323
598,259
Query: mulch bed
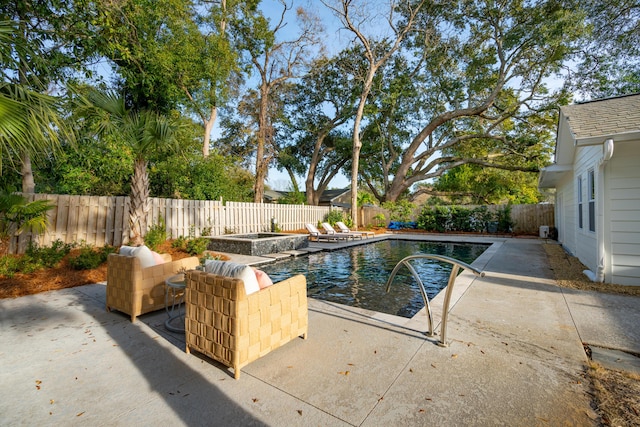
x,y
63,276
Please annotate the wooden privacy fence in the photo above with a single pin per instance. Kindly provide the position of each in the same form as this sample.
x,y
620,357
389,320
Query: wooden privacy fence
x,y
529,218
102,220
213,218
368,216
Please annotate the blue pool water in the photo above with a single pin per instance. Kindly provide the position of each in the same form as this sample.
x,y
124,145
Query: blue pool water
x,y
357,276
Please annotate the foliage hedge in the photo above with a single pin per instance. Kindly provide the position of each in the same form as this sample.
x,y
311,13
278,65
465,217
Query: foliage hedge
x,y
89,257
459,218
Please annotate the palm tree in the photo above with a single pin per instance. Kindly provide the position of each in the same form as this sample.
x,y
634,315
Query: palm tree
x,y
17,215
145,132
30,122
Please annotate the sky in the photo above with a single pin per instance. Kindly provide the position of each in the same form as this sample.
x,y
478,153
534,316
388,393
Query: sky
x,y
338,38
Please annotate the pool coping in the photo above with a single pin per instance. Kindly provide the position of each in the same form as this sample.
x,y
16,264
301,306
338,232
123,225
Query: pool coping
x,y
417,323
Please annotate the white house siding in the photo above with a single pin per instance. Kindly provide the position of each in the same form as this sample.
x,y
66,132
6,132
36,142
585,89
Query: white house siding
x,y
586,243
567,225
623,186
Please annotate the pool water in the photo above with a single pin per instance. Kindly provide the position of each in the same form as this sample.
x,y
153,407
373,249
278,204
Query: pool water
x,y
357,276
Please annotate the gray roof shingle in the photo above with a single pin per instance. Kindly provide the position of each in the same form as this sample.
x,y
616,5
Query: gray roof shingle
x,y
604,117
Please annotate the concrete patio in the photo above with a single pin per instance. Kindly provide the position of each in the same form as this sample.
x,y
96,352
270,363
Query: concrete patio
x,y
515,357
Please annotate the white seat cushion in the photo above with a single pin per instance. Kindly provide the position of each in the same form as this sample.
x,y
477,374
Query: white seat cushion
x,y
232,269
143,254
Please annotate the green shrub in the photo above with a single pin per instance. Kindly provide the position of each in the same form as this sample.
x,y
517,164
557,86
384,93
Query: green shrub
x,y
400,210
89,257
446,218
48,256
334,216
156,235
427,219
458,218
197,246
192,231
9,265
380,220
192,246
206,231
35,258
503,216
481,218
180,243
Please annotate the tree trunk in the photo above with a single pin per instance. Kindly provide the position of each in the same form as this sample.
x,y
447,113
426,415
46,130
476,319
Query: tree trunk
x,y
394,192
357,146
139,206
292,177
208,127
28,184
262,163
312,197
261,176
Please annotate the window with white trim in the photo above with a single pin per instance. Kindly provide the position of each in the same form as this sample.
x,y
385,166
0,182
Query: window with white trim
x,y
579,187
591,184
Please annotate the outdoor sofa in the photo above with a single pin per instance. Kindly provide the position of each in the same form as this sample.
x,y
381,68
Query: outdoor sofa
x,y
234,328
136,283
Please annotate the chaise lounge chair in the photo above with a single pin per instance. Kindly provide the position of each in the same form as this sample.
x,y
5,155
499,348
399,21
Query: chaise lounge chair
x,y
328,228
314,233
344,229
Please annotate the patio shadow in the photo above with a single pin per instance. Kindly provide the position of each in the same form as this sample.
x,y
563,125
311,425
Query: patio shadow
x,y
71,360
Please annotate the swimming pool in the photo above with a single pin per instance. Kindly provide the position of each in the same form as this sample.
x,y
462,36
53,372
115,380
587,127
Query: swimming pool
x,y
356,276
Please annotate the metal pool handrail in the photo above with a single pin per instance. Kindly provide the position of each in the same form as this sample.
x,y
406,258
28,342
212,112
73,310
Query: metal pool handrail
x,y
456,265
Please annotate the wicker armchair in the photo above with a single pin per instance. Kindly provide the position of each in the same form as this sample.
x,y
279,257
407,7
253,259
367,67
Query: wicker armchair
x,y
134,290
226,324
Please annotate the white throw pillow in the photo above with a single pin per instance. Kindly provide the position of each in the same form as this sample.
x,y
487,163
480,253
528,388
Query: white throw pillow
x,y
126,250
232,269
143,253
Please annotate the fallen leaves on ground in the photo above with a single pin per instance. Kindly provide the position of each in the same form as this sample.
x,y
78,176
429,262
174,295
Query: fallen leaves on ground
x,y
616,394
568,271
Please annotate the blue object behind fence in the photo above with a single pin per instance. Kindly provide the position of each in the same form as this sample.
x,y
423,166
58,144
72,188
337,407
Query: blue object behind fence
x,y
398,225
